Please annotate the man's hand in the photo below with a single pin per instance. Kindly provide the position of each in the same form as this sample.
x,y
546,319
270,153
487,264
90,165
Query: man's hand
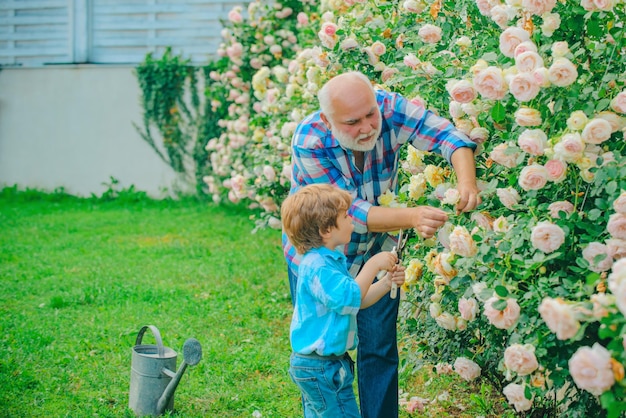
x,y
469,198
427,220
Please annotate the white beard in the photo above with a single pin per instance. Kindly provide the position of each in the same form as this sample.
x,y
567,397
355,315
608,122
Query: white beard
x,y
348,142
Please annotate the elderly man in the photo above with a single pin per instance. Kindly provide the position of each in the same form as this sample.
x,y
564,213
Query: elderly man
x,y
353,142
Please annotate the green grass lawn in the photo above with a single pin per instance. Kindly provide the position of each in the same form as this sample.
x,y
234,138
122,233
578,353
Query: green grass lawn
x,y
80,277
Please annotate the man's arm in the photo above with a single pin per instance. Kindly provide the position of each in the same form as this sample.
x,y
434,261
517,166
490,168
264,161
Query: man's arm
x,y
465,168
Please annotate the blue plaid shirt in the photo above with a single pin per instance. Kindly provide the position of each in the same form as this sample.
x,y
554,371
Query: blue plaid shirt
x,y
317,157
327,301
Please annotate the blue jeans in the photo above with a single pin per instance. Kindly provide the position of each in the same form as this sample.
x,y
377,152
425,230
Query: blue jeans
x,y
377,356
326,386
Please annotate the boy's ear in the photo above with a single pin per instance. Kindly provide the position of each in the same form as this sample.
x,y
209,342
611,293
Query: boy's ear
x,y
325,234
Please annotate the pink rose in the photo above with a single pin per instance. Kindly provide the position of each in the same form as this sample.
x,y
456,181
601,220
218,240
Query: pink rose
x,y
235,15
483,220
504,319
620,297
461,242
410,60
515,394
528,61
387,73
538,7
524,87
520,359
559,318
442,266
591,369
577,120
461,91
596,131
468,308
617,122
466,368
444,368
446,321
348,44
618,275
617,225
619,204
618,103
413,6
547,237
505,154
501,225
606,5
511,38
597,254
484,7
268,204
378,48
562,72
502,14
303,19
443,235
570,148
508,197
525,116
559,49
479,135
372,58
490,83
616,247
541,77
533,141
533,177
329,28
430,34
327,40
560,206
551,22
525,47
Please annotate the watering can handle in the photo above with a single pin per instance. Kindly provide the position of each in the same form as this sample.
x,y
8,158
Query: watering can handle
x,y
157,337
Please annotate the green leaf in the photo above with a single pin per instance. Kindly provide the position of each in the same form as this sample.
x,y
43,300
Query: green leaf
x,y
594,214
594,29
499,304
502,292
498,113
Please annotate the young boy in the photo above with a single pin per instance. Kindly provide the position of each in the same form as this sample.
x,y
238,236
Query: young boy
x,y
323,326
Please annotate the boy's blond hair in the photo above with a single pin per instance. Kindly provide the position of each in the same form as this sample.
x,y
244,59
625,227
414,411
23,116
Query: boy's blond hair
x,y
311,211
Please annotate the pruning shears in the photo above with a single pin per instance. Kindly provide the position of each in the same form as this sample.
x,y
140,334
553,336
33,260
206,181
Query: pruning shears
x,y
397,250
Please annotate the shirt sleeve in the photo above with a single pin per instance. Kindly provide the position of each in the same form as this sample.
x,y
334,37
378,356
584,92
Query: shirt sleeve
x,y
422,128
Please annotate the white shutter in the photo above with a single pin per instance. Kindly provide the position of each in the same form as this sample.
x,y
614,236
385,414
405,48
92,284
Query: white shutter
x,y
125,30
34,32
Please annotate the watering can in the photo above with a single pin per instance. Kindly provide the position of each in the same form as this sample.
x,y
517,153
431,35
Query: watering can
x,y
153,380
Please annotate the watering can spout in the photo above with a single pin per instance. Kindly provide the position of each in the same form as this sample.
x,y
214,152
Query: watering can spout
x,y
192,353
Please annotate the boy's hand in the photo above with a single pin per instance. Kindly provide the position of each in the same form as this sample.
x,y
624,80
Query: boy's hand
x,y
396,275
384,260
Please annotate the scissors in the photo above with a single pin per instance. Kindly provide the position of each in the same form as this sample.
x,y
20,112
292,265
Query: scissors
x,y
397,250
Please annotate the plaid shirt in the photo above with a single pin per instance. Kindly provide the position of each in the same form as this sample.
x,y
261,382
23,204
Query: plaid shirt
x,y
317,157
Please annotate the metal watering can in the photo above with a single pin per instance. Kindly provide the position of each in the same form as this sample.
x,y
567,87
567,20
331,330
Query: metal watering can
x,y
152,378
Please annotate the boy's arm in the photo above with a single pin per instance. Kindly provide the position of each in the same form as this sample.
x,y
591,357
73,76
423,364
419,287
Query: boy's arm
x,y
376,291
372,293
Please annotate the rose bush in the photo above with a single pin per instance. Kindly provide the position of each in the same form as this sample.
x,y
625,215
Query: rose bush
x,y
528,291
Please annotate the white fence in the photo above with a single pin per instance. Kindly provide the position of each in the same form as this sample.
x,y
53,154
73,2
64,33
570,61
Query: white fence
x,y
72,127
